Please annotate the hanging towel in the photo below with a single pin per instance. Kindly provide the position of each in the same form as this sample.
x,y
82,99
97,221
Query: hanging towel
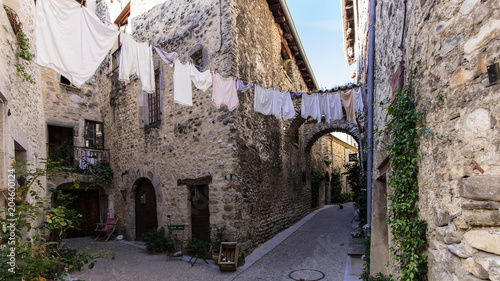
x,y
335,107
348,101
295,94
240,86
202,80
183,93
263,100
71,40
224,92
168,58
324,106
136,58
310,107
282,102
358,100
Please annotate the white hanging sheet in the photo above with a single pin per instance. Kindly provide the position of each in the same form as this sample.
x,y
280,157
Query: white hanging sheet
x,y
136,58
71,39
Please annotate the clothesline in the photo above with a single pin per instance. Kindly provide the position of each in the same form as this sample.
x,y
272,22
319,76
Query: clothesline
x,y
94,39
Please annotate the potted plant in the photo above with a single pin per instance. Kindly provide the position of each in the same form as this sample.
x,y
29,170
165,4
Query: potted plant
x,y
216,240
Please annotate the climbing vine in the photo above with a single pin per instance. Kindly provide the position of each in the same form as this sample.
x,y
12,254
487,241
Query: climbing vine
x,y
23,51
101,172
402,124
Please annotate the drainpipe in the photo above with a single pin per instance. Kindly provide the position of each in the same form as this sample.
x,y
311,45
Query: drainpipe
x,y
371,80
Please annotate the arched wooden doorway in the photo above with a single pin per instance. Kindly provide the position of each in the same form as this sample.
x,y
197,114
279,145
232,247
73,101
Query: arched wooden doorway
x,y
146,218
89,201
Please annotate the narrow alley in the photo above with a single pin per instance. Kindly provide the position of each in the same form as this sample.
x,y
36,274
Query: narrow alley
x,y
315,248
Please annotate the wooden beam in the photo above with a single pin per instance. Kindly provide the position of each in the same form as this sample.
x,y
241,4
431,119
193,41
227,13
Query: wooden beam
x,y
285,50
275,7
199,181
280,19
123,16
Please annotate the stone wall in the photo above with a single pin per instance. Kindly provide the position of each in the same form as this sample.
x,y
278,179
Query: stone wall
x,y
22,132
271,174
189,142
252,192
68,106
455,41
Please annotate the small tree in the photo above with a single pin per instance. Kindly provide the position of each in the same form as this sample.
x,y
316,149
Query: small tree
x,y
32,228
357,182
336,184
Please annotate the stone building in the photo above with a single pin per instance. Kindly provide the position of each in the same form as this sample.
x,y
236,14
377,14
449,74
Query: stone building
x,y
22,133
328,153
48,118
457,83
173,164
198,165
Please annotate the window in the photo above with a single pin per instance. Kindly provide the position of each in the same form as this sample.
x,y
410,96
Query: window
x,y
154,101
94,137
61,145
115,62
197,58
346,156
65,81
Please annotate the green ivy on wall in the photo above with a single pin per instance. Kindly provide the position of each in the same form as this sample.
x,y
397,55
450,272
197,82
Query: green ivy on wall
x,y
402,124
23,51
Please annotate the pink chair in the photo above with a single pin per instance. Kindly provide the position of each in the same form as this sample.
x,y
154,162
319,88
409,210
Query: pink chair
x,y
109,226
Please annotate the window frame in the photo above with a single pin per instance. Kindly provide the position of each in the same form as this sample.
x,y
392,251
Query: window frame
x,y
154,112
94,136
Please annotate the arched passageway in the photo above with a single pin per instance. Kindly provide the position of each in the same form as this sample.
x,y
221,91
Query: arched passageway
x,y
90,201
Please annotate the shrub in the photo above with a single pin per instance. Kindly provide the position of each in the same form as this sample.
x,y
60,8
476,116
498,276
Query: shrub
x,y
157,241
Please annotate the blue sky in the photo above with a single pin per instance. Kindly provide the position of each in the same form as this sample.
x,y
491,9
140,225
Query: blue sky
x,y
319,24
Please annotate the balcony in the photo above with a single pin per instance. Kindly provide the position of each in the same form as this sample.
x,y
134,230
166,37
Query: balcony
x,y
78,157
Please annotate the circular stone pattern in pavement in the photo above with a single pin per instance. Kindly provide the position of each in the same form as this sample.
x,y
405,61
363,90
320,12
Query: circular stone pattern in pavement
x,y
306,275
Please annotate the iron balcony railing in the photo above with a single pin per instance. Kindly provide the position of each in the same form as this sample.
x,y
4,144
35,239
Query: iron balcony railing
x,y
78,157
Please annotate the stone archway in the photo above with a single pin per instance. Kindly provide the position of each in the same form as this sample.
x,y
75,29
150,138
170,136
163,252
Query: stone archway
x,y
313,131
133,179
90,201
146,216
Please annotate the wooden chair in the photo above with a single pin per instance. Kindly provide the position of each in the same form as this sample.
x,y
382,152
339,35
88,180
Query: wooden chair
x,y
109,226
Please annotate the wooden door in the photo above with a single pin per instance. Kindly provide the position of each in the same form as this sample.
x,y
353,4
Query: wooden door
x,y
145,209
87,205
200,214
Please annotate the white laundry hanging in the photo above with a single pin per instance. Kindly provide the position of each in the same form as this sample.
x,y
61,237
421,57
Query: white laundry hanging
x,y
310,106
71,39
136,58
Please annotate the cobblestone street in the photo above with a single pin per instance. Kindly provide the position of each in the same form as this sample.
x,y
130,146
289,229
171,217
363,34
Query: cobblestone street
x,y
314,247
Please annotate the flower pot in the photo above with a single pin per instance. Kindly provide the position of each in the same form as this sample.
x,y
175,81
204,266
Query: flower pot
x,y
215,257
